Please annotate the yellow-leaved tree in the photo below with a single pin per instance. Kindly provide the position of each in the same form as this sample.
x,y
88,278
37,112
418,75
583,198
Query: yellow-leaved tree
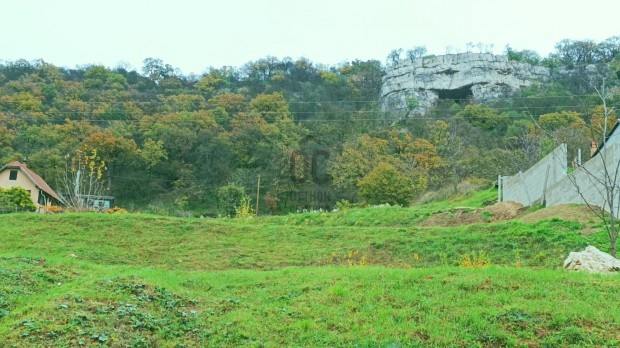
x,y
83,178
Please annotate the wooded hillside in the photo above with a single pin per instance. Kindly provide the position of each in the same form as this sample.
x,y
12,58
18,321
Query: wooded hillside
x,y
315,135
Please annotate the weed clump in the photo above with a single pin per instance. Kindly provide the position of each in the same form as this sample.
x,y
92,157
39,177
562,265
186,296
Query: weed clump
x,y
475,260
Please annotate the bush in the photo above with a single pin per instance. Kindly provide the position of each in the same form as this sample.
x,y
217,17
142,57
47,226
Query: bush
x,y
230,198
245,208
272,203
344,204
385,184
16,197
116,210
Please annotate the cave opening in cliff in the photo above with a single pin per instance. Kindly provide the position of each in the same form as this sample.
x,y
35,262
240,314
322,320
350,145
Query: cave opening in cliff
x,y
458,95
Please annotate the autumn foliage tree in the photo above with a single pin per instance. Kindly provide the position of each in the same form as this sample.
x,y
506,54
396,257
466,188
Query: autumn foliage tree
x,y
385,184
83,178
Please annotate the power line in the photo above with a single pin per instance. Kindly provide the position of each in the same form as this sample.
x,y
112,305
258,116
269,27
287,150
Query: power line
x,y
139,118
154,102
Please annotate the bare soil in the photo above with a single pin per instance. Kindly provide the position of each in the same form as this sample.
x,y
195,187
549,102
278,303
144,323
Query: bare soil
x,y
568,212
464,216
509,210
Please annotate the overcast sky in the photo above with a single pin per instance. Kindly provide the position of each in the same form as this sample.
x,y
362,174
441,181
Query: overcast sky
x,y
195,34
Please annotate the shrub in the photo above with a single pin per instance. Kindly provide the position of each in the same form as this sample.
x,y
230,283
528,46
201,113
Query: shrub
x,y
230,198
475,260
344,204
16,197
245,208
116,210
272,203
385,184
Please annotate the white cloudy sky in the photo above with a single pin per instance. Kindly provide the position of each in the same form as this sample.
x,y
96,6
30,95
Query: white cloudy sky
x,y
195,34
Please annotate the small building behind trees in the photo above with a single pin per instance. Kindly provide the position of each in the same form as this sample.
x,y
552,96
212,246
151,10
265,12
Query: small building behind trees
x,y
94,202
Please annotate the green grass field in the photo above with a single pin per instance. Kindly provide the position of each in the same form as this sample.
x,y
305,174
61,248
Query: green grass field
x,y
370,277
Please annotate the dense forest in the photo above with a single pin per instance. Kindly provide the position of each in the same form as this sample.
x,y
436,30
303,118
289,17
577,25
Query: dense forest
x,y
305,136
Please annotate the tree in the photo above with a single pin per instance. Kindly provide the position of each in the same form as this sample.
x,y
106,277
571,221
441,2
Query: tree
x,y
231,197
99,77
601,122
482,116
82,178
394,56
16,197
413,158
450,145
385,184
116,152
524,56
597,182
416,52
556,120
156,70
610,178
357,160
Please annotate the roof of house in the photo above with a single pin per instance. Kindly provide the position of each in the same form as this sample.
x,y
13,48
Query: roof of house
x,y
34,177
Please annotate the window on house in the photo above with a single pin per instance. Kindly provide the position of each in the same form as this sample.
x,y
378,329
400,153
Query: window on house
x,y
13,175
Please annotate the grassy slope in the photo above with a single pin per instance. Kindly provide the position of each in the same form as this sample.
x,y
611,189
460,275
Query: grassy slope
x,y
173,243
365,277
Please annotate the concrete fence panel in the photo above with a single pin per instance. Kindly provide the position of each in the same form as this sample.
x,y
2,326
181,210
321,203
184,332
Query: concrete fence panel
x,y
530,187
589,182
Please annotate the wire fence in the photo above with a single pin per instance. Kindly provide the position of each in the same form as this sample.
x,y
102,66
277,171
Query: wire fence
x,y
4,209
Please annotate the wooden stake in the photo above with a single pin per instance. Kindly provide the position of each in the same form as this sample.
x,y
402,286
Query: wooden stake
x,y
257,194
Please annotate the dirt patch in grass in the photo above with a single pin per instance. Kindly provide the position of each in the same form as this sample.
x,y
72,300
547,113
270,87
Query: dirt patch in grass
x,y
505,210
502,211
510,210
567,212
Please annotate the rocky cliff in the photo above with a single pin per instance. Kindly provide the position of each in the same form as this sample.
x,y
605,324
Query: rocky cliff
x,y
478,76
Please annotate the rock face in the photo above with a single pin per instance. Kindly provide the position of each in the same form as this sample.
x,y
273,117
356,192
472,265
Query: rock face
x,y
592,260
479,76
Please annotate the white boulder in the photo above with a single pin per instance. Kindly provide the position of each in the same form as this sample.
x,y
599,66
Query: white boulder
x,y
592,260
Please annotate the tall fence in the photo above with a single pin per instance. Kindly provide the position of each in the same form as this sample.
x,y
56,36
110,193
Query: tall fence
x,y
532,186
592,182
547,182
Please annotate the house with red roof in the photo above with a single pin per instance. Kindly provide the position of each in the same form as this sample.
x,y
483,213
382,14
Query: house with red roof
x,y
18,174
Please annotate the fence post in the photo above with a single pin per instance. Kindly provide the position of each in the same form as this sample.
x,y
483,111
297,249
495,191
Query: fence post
x,y
544,195
499,188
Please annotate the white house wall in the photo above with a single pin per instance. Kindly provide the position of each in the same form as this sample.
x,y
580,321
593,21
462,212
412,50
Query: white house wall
x,y
21,181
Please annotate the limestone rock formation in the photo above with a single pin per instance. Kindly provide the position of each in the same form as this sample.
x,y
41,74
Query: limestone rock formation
x,y
480,76
592,260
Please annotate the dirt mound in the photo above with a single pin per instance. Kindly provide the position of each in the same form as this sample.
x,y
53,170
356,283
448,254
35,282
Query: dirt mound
x,y
510,210
568,212
454,217
464,216
507,210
